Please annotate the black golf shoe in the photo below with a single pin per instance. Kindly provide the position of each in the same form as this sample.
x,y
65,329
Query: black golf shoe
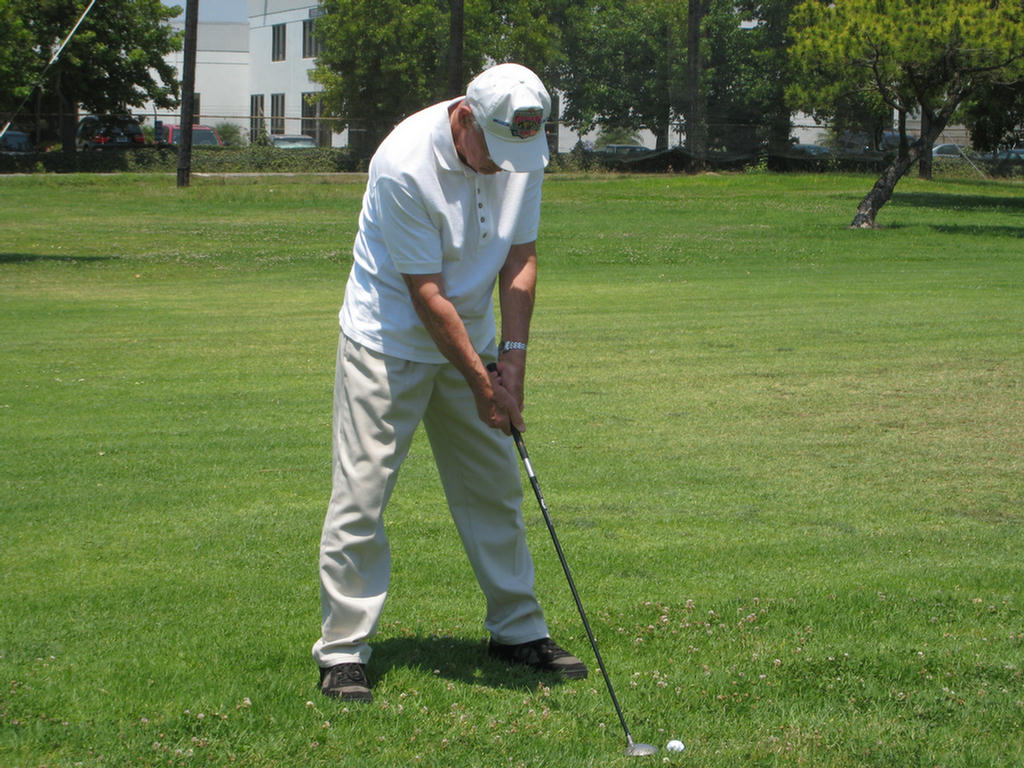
x,y
541,654
345,681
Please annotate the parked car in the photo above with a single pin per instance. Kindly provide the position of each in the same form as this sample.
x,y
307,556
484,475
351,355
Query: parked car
x,y
102,132
890,143
814,151
286,141
16,143
947,151
202,136
620,150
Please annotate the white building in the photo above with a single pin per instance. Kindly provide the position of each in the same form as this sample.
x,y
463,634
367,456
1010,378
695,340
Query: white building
x,y
282,54
255,74
222,75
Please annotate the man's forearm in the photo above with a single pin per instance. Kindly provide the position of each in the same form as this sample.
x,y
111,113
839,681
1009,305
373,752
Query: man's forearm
x,y
496,405
517,283
446,328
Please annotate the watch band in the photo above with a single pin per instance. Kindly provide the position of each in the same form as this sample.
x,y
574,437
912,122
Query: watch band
x,y
505,346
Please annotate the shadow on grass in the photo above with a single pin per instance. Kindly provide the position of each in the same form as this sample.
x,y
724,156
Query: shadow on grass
x,y
453,658
24,258
953,229
960,202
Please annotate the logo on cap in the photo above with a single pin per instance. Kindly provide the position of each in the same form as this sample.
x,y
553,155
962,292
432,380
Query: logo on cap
x,y
526,122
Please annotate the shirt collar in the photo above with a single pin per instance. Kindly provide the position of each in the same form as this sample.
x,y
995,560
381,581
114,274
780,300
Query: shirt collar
x,y
444,144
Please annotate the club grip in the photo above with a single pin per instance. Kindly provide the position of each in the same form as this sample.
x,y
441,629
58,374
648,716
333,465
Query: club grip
x,y
516,435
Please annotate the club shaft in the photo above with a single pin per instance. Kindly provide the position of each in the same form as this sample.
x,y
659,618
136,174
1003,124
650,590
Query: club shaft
x,y
521,447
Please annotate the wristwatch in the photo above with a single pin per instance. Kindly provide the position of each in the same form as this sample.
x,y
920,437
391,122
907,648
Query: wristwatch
x,y
505,346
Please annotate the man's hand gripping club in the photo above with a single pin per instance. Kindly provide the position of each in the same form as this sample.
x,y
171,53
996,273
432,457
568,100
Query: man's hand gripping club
x,y
497,405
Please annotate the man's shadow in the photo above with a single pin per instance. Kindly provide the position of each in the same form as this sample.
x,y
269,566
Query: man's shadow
x,y
453,658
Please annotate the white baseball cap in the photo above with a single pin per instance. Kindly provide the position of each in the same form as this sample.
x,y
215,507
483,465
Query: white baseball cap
x,y
511,105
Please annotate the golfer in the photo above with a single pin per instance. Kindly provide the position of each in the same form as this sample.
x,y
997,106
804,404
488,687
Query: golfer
x,y
452,204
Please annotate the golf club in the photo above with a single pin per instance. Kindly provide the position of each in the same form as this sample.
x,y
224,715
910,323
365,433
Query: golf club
x,y
632,748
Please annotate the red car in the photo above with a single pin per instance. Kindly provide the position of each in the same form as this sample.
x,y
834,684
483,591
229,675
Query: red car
x,y
202,136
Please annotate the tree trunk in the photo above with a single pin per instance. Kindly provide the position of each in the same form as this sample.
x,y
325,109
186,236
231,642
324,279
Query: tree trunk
x,y
696,129
456,36
67,120
883,189
904,144
924,167
553,125
780,120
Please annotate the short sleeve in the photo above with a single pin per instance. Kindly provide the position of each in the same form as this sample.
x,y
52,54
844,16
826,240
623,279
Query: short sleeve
x,y
528,223
411,236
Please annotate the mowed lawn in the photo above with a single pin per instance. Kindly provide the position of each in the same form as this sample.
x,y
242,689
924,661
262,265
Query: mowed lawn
x,y
785,460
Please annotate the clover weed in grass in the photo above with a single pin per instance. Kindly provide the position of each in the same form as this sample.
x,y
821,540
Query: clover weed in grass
x,y
783,459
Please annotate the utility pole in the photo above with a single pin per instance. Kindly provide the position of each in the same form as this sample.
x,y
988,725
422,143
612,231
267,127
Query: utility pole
x,y
188,87
696,120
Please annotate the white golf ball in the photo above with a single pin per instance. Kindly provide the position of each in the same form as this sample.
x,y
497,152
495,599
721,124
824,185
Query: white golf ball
x,y
675,746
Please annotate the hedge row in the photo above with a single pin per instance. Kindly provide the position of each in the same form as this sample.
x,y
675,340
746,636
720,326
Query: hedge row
x,y
254,159
264,159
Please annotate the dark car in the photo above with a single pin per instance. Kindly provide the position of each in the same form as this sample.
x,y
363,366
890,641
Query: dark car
x,y
202,136
890,143
109,132
810,151
16,143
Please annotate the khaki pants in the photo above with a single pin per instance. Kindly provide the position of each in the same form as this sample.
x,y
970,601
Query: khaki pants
x,y
378,403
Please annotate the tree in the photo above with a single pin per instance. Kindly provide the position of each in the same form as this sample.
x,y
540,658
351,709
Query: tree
x,y
645,63
770,41
738,83
18,67
382,60
116,60
610,136
527,32
995,116
911,55
621,65
737,67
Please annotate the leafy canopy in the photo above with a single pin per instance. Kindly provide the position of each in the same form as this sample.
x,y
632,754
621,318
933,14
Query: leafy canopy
x,y
117,57
382,60
904,54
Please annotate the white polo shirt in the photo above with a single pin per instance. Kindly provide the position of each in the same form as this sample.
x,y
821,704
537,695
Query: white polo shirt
x,y
426,212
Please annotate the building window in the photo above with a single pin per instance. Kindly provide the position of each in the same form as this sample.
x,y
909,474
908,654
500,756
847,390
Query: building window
x,y
310,46
257,125
277,113
312,124
277,46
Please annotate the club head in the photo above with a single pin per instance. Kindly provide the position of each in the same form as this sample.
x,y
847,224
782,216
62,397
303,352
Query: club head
x,y
639,750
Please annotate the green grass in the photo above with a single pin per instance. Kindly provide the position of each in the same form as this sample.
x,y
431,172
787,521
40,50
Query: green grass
x,y
785,460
